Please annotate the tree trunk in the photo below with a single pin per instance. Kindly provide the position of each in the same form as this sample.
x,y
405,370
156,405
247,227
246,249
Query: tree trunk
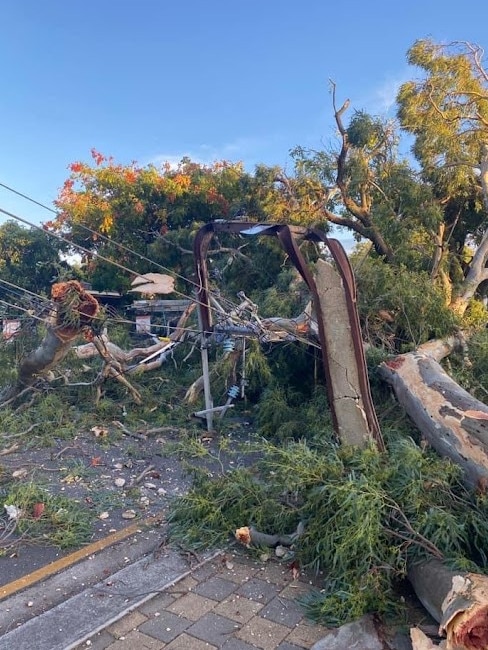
x,y
457,601
75,311
450,419
152,359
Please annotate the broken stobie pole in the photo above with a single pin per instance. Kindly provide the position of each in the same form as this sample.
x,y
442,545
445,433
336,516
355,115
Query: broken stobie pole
x,y
358,409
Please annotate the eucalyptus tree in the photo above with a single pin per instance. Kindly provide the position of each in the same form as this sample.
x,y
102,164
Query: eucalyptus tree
x,y
446,111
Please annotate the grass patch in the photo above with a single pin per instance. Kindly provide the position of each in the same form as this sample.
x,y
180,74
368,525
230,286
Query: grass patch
x,y
45,518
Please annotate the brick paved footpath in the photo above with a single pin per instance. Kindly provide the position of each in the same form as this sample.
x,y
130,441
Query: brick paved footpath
x,y
230,603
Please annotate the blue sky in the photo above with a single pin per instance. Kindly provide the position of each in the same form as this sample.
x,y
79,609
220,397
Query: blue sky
x,y
153,80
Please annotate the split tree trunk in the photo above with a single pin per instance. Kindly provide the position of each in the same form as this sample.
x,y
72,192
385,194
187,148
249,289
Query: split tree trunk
x,y
75,311
456,425
449,418
458,601
345,389
125,357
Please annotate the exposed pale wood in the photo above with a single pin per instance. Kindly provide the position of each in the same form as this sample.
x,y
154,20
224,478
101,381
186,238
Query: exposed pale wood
x,y
450,419
115,370
153,283
458,601
123,356
422,642
195,390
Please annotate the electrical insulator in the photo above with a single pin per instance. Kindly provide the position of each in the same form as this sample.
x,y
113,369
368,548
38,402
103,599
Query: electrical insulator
x,y
229,345
233,391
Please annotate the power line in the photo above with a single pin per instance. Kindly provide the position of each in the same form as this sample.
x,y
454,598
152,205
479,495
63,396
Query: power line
x,y
31,293
102,257
67,241
27,311
28,198
109,240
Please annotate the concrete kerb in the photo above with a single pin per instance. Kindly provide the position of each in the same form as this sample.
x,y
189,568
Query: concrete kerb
x,y
67,608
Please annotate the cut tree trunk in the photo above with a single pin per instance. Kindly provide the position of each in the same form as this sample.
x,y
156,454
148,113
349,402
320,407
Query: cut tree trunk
x,y
449,418
125,357
458,601
74,314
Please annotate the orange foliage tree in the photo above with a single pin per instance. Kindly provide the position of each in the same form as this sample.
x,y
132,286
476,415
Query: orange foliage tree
x,y
155,211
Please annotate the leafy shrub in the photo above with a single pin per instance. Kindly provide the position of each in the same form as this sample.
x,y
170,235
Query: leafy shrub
x,y
399,308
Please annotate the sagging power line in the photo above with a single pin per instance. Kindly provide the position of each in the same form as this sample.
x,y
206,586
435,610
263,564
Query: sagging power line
x,y
118,245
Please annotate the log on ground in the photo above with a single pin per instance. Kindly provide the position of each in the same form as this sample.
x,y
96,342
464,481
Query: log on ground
x,y
458,601
448,417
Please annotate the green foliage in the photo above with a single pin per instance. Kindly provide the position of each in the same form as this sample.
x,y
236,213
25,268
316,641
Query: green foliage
x,y
446,111
258,371
285,413
365,131
400,308
204,517
365,515
470,368
63,522
29,258
475,316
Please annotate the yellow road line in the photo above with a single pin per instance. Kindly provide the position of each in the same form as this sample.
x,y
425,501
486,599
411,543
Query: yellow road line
x,y
67,561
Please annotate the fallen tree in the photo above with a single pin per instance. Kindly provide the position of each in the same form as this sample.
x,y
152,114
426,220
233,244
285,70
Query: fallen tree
x,y
74,313
153,356
449,418
458,601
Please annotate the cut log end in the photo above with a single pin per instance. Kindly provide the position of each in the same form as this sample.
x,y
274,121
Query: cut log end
x,y
469,630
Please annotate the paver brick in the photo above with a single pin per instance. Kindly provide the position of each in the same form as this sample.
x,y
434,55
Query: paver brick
x,y
276,573
156,604
305,634
238,608
290,646
263,633
165,627
205,571
213,628
237,644
136,641
258,590
192,606
99,641
216,588
187,642
283,611
296,590
239,572
182,586
126,624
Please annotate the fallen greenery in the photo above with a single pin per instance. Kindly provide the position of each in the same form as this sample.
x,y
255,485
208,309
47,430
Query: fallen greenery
x,y
34,515
366,514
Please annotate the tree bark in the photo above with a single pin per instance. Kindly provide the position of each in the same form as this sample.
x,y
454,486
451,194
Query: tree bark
x,y
450,419
75,311
458,601
124,357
